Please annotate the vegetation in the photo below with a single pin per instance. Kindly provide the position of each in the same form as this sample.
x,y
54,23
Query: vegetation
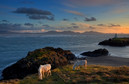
x,y
116,42
30,64
121,39
94,74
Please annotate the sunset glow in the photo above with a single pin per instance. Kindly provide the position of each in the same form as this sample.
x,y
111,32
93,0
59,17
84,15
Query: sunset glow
x,y
30,16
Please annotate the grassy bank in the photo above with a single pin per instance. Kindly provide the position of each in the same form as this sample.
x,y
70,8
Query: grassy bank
x,y
94,74
120,39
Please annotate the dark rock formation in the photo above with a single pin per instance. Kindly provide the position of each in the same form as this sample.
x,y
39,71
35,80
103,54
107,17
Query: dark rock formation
x,y
96,53
30,64
116,42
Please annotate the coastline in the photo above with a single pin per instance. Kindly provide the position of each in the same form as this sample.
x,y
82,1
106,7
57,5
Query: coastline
x,y
108,61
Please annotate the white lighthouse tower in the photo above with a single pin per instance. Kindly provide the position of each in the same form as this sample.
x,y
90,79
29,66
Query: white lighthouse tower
x,y
115,35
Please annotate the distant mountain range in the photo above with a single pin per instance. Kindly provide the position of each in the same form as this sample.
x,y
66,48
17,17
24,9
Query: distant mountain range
x,y
61,33
70,33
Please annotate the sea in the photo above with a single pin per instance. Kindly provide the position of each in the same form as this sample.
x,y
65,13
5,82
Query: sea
x,y
13,47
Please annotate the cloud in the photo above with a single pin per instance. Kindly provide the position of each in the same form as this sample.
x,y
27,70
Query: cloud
x,y
46,26
90,19
65,19
16,25
29,24
82,15
101,25
69,27
38,17
91,27
73,23
75,27
30,31
79,25
5,21
31,11
34,13
7,27
58,30
27,2
75,12
19,28
114,25
109,25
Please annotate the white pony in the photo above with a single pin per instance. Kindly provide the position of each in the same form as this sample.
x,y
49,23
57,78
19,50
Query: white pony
x,y
44,68
80,63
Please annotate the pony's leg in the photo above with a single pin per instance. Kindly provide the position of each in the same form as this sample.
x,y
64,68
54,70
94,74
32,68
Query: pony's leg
x,y
43,76
47,73
40,74
77,67
50,72
85,66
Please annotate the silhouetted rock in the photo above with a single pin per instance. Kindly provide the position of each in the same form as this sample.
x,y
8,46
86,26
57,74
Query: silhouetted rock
x,y
116,42
30,64
96,53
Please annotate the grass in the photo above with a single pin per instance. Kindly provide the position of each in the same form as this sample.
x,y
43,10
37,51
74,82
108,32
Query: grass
x,y
94,74
121,39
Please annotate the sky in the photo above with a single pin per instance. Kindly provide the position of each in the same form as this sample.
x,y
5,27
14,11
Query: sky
x,y
37,16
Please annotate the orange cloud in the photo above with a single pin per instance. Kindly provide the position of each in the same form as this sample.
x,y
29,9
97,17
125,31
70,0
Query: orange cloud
x,y
110,28
75,12
118,30
58,30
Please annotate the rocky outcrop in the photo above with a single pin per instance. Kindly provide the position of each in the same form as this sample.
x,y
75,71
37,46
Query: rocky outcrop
x,y
116,42
96,53
30,64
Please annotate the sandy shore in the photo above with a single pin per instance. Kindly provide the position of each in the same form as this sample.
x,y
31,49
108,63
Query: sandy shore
x,y
108,60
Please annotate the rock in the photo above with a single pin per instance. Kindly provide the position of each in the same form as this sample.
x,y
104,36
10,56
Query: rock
x,y
96,53
30,64
116,42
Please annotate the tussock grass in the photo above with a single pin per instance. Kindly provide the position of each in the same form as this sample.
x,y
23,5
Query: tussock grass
x,y
94,74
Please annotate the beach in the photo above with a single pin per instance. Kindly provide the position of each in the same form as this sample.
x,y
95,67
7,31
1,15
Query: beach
x,y
108,61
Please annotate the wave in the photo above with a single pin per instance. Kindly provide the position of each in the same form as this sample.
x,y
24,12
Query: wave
x,y
1,69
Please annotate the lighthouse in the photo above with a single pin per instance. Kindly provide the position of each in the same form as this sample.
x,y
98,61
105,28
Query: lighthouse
x,y
115,36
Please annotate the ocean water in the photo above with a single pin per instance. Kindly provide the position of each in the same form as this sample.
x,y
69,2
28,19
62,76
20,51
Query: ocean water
x,y
15,47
